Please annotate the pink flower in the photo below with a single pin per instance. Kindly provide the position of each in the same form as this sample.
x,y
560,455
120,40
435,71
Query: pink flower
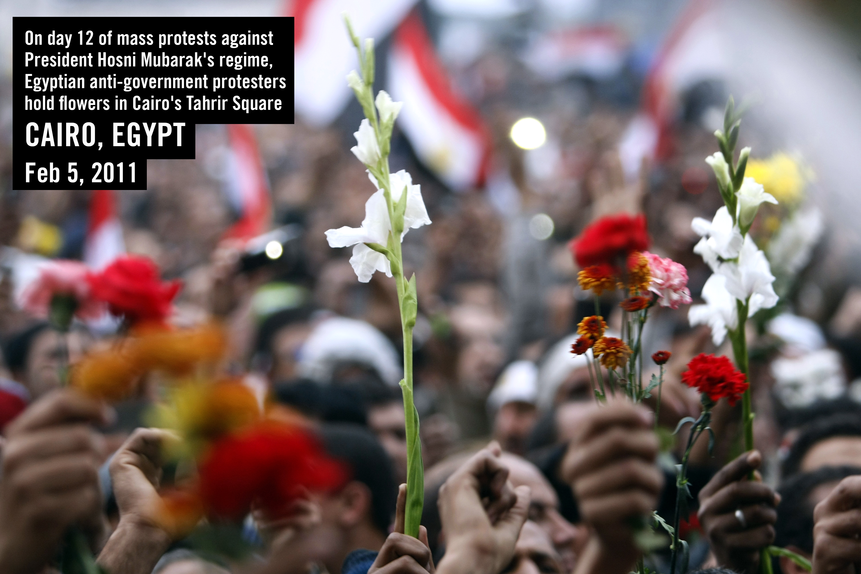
x,y
62,277
669,281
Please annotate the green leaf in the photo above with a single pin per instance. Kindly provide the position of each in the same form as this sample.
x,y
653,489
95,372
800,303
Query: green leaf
x,y
729,114
409,309
400,210
368,64
740,169
801,561
683,422
732,138
415,466
663,523
653,383
351,32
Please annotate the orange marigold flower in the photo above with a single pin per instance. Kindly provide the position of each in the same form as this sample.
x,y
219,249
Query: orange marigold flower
x,y
636,303
110,374
639,276
178,351
597,278
661,357
614,352
592,327
179,510
582,345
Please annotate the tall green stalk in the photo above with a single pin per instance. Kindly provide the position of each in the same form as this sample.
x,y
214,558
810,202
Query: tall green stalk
x,y
407,294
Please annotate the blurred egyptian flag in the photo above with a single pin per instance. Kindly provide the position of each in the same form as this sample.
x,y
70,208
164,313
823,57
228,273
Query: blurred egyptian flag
x,y
247,187
324,54
446,132
692,52
104,241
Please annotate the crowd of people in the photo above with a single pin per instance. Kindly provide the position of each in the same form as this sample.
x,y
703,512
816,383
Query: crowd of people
x,y
523,471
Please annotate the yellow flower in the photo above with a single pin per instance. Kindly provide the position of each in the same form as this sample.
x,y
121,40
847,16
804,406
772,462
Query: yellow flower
x,y
597,278
592,327
781,176
203,411
639,275
614,352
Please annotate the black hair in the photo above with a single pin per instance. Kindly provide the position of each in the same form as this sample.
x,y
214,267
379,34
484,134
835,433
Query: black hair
x,y
16,351
715,571
816,432
327,403
825,409
795,513
380,395
274,323
369,464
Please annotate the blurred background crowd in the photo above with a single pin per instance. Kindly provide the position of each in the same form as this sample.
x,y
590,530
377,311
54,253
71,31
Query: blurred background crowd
x,y
626,96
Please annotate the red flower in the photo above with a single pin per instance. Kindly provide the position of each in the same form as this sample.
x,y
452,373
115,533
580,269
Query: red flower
x,y
610,239
582,345
132,289
268,465
715,377
636,303
661,357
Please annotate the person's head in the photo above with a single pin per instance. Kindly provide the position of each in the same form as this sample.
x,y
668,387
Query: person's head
x,y
385,411
567,539
34,356
512,405
534,553
563,378
359,514
279,339
186,562
799,496
834,441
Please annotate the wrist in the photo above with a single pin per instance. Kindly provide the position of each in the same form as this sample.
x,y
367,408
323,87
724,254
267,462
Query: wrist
x,y
466,558
149,536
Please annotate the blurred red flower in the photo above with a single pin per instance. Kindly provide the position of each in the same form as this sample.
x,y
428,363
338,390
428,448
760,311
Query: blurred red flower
x,y
636,303
582,345
610,239
661,357
268,466
132,289
715,377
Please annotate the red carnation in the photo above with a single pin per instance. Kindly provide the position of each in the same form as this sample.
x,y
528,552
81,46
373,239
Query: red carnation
x,y
610,239
268,465
715,377
132,289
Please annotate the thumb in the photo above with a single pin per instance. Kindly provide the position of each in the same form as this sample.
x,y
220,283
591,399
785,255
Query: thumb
x,y
513,520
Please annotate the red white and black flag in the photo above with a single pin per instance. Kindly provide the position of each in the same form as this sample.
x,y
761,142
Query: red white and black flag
x,y
446,131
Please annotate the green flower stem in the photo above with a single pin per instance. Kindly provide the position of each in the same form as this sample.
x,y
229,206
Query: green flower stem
x,y
658,404
739,349
681,482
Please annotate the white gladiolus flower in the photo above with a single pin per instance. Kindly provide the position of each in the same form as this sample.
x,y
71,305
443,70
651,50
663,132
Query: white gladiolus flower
x,y
720,238
354,81
721,169
790,249
375,229
377,226
750,196
388,109
719,312
750,279
416,214
368,150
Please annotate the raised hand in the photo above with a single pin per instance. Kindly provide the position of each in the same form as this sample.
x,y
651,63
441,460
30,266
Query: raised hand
x,y
738,515
49,478
481,515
